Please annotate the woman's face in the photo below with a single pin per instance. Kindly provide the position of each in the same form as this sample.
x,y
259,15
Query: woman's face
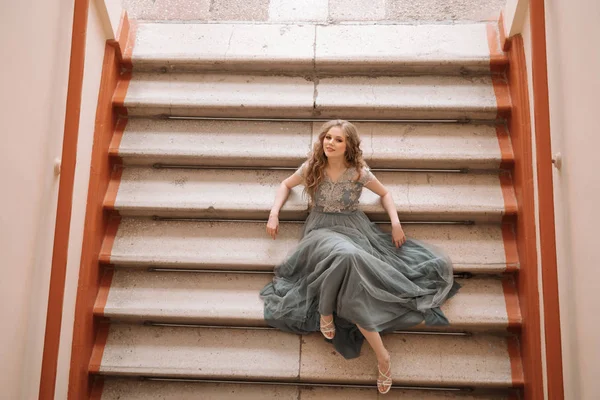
x,y
334,142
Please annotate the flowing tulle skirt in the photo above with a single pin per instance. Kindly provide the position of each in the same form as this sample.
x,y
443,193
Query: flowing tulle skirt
x,y
346,266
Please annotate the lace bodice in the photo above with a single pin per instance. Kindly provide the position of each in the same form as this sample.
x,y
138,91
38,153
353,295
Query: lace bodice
x,y
341,195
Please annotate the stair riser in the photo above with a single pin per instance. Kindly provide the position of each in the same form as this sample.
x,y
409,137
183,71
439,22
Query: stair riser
x,y
328,69
233,300
216,194
233,110
119,389
292,215
278,356
420,97
286,144
144,243
292,162
341,49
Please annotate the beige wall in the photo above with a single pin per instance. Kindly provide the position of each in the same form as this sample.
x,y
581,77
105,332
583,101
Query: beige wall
x,y
574,82
34,86
94,54
109,15
114,10
35,43
573,65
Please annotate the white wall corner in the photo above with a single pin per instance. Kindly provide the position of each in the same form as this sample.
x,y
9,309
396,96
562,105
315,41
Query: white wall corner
x,y
109,12
514,17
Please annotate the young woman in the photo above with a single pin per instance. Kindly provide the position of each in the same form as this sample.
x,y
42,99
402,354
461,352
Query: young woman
x,y
347,278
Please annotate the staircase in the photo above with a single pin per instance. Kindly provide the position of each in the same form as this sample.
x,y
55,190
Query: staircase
x,y
214,116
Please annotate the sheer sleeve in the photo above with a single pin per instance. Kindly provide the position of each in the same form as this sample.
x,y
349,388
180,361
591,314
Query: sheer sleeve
x,y
366,176
301,171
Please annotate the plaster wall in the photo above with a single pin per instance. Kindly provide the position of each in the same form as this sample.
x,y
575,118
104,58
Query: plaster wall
x,y
37,35
94,54
574,84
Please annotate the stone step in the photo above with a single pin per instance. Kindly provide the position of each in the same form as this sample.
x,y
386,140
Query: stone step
x,y
130,389
228,299
286,144
306,48
483,361
144,243
254,96
248,194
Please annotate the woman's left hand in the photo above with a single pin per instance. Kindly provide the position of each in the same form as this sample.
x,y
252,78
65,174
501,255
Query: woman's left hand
x,y
398,236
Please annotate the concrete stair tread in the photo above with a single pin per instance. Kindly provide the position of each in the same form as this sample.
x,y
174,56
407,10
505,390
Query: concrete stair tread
x,y
285,144
142,242
292,47
279,71
228,299
120,388
432,360
406,97
217,193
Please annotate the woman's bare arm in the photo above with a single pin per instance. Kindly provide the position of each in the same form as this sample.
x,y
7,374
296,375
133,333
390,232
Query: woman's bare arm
x,y
387,201
283,191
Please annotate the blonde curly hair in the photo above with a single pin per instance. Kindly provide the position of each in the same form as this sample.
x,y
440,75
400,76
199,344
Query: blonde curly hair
x,y
317,161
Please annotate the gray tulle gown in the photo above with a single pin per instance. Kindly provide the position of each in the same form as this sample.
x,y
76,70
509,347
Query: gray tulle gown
x,y
346,266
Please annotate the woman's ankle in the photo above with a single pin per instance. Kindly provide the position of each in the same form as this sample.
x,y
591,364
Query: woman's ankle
x,y
384,359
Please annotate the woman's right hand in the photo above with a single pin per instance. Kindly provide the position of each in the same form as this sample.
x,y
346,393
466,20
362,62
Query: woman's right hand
x,y
273,226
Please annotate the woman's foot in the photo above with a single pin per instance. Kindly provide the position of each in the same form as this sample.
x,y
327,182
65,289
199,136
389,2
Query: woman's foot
x,y
327,327
384,380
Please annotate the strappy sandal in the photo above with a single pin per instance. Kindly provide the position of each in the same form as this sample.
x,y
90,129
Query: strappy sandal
x,y
384,385
327,328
